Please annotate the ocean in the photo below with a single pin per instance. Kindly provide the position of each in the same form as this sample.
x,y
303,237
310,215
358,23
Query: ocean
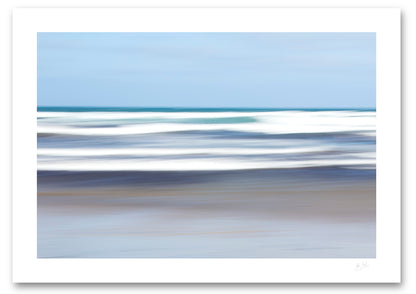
x,y
206,183
203,139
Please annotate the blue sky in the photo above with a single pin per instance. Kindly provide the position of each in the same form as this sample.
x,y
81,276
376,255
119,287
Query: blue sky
x,y
278,70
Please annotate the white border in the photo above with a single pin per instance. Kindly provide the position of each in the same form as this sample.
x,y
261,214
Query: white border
x,y
385,268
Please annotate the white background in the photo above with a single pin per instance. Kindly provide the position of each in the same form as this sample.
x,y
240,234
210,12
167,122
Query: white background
x,y
408,286
27,268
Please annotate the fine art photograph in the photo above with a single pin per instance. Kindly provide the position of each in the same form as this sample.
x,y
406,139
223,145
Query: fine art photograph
x,y
206,145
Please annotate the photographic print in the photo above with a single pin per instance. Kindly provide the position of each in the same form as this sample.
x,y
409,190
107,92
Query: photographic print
x,y
206,145
157,145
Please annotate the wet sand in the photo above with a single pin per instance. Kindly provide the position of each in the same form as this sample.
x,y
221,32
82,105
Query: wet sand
x,y
304,213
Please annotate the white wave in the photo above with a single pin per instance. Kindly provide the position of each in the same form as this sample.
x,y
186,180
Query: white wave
x,y
179,151
191,115
366,155
190,164
48,114
128,129
146,115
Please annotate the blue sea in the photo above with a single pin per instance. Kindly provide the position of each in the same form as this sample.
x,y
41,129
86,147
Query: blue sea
x,y
206,183
204,139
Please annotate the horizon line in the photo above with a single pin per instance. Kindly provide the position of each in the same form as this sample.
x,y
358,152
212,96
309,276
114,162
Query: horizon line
x,y
200,107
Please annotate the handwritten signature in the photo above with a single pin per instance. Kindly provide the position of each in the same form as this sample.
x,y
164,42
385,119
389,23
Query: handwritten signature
x,y
361,265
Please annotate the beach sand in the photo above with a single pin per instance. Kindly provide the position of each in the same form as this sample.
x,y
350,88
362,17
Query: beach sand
x,y
296,213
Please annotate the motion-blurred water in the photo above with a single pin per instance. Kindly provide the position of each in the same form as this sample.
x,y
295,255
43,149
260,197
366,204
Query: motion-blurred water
x,y
170,139
213,183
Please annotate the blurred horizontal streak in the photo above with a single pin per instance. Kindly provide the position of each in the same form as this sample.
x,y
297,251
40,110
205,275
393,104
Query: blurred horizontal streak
x,y
134,183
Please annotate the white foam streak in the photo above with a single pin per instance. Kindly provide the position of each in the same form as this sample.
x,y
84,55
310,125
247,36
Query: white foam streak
x,y
281,116
146,115
180,151
189,164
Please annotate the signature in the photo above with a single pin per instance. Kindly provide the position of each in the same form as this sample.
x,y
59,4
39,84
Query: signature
x,y
361,265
